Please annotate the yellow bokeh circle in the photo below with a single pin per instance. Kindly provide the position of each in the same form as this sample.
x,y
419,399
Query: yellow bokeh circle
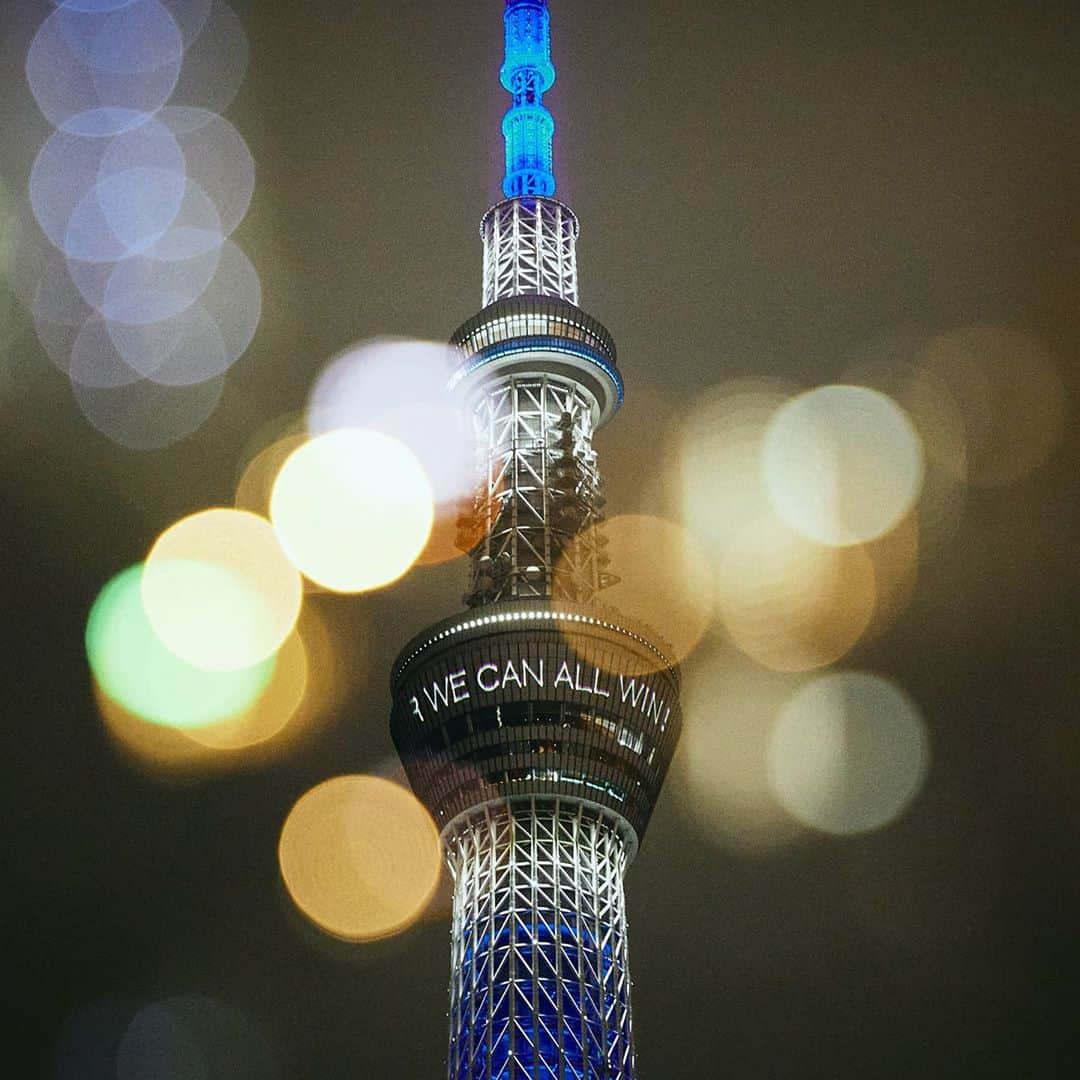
x,y
275,708
219,590
660,583
789,603
360,857
1005,390
353,509
302,691
256,483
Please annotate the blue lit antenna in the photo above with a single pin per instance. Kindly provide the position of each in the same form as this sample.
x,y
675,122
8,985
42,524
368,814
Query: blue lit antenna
x,y
526,73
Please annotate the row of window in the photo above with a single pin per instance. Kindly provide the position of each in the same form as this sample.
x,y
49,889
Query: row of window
x,y
490,332
528,714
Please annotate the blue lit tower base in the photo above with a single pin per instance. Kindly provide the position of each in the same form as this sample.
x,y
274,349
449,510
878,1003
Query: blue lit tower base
x,y
540,984
537,726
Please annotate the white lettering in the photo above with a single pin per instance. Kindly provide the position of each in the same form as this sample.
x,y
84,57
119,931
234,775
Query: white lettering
x,y
480,680
457,686
656,706
564,675
632,691
416,709
596,684
538,675
436,696
511,675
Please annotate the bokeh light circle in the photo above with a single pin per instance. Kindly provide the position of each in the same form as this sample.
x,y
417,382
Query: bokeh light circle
x,y
1009,396
304,693
95,360
102,72
104,199
719,457
662,583
96,6
360,857
144,38
220,591
789,603
204,339
132,666
216,59
192,17
889,363
218,160
720,772
271,712
150,286
842,464
895,558
256,483
353,509
192,1037
397,386
145,415
848,752
163,753
59,310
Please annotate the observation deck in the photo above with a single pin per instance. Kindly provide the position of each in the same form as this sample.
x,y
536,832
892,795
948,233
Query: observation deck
x,y
531,700
534,335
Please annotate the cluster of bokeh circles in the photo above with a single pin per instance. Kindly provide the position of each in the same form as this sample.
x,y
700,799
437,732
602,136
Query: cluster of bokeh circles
x,y
135,289
802,517
806,514
209,654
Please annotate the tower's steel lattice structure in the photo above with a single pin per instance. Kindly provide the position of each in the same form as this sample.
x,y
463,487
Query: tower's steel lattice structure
x,y
538,725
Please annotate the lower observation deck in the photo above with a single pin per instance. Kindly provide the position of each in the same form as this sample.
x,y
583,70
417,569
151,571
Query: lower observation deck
x,y
526,700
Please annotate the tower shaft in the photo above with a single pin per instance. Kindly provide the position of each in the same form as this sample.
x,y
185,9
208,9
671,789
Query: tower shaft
x,y
540,983
530,249
539,508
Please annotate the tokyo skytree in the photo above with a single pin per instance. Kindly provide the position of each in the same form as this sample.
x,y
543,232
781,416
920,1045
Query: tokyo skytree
x,y
538,724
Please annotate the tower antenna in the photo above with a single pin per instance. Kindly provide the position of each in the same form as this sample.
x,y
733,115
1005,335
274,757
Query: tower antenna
x,y
527,73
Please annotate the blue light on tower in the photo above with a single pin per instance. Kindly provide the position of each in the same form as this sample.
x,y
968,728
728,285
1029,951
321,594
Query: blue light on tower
x,y
526,73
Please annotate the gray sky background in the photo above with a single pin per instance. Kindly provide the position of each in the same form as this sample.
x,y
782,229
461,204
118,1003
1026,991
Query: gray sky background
x,y
772,188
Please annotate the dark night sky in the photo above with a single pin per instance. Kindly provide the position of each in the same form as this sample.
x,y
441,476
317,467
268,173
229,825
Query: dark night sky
x,y
767,188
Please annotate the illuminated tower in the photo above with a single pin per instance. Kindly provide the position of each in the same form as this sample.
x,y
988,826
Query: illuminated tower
x,y
538,725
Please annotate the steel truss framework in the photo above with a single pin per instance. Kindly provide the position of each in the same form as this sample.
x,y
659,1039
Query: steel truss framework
x,y
530,249
539,509
540,986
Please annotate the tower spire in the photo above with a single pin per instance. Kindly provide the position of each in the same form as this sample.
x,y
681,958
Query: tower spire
x,y
526,73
